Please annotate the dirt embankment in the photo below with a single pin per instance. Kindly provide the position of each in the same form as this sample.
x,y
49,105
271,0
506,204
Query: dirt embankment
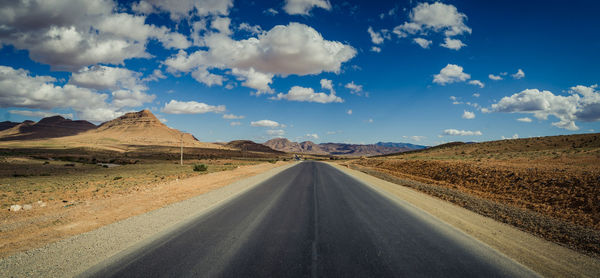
x,y
561,204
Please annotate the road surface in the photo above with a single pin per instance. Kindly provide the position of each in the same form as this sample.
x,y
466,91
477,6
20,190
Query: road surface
x,y
312,220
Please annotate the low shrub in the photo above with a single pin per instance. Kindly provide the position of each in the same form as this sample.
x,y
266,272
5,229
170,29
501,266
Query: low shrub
x,y
200,167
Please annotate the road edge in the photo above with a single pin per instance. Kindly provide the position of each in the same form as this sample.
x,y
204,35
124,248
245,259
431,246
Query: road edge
x,y
75,255
544,257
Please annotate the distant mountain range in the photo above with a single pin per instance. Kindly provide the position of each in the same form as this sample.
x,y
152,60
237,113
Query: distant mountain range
x,y
308,147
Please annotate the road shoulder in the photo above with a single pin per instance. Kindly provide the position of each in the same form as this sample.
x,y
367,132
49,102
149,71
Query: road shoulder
x,y
544,257
71,256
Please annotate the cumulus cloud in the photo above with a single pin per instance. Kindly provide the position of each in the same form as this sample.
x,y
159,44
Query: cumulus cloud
x,y
452,44
477,83
191,107
19,89
349,112
582,104
355,89
476,94
519,74
327,84
285,49
375,49
437,17
235,123
39,114
232,117
525,120
69,35
468,115
376,37
108,78
179,9
252,29
221,24
450,74
495,77
456,132
266,123
303,7
302,94
424,43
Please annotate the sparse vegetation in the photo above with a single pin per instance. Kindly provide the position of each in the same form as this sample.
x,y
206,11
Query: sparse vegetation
x,y
555,177
200,167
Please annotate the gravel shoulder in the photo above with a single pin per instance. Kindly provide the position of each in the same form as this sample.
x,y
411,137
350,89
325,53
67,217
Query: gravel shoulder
x,y
547,258
72,256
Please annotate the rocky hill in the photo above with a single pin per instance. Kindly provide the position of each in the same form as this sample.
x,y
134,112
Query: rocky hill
x,y
250,146
50,127
308,147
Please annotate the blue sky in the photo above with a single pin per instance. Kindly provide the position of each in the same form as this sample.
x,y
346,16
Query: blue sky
x,y
423,72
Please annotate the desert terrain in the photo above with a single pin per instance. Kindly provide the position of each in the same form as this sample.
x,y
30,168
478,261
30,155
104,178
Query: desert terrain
x,y
548,186
59,177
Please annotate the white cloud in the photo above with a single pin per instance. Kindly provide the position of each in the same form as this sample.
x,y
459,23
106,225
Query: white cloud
x,y
495,77
450,74
221,24
39,114
468,115
370,121
453,44
252,29
312,135
19,89
298,93
525,120
583,104
327,85
265,123
179,9
436,17
424,43
155,76
276,132
69,35
108,78
376,37
477,83
303,7
456,132
476,94
515,136
349,112
235,123
440,17
125,98
285,49
519,74
376,49
191,107
271,11
232,117
355,89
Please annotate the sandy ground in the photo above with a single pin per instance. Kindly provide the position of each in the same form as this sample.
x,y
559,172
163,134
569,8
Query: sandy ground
x,y
544,257
25,230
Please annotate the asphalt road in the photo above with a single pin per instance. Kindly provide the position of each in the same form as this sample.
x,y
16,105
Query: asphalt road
x,y
312,220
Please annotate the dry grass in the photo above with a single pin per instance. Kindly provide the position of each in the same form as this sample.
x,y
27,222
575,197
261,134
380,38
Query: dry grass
x,y
557,177
25,180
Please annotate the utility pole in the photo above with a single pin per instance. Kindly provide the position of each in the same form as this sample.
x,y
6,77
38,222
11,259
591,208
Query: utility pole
x,y
181,158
